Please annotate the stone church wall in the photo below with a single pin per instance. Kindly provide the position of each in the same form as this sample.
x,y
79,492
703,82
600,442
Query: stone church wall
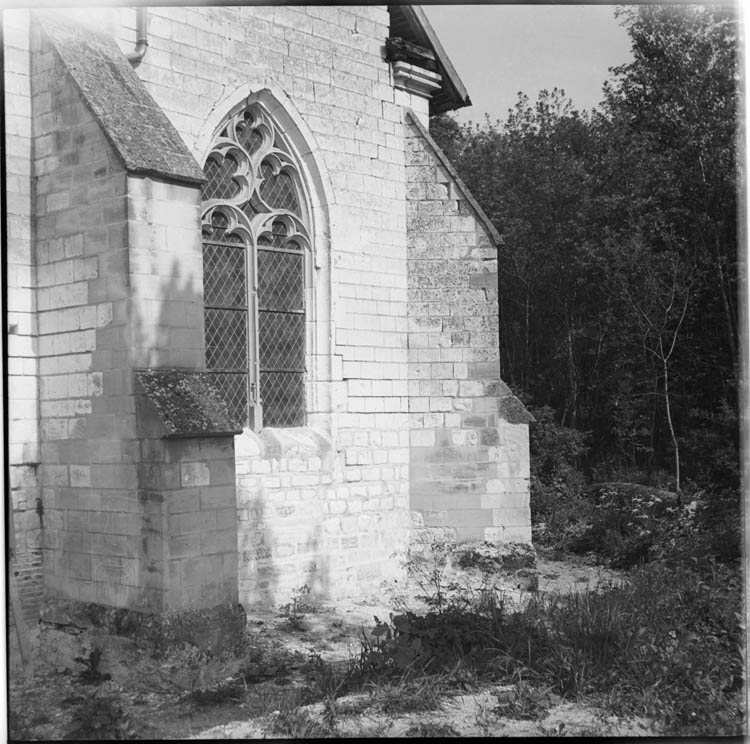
x,y
469,467
325,66
118,287
23,394
330,520
87,468
306,520
402,387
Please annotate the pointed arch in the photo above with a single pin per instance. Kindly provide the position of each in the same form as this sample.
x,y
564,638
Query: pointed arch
x,y
300,140
265,232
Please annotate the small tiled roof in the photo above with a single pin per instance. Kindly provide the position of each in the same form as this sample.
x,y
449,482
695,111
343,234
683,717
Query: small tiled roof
x,y
133,123
187,403
410,22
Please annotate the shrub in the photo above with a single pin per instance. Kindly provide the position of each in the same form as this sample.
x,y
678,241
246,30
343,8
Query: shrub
x,y
628,524
624,522
683,662
556,481
19,728
710,446
99,718
555,451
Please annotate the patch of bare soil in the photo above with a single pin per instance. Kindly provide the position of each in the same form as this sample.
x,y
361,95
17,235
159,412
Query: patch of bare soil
x,y
282,686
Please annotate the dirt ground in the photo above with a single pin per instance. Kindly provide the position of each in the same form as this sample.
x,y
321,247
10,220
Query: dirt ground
x,y
184,696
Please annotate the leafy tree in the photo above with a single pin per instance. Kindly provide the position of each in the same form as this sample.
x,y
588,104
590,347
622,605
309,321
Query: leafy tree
x,y
655,292
678,101
618,272
671,124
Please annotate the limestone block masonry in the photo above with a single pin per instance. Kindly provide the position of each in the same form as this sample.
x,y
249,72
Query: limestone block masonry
x,y
116,507
22,345
134,519
469,466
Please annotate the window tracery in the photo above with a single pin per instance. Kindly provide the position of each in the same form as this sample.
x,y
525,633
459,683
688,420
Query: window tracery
x,y
256,241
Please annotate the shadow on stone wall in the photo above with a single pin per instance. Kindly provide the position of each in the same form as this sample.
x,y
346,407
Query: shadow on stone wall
x,y
282,476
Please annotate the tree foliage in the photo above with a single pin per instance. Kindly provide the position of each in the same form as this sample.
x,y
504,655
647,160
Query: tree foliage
x,y
618,271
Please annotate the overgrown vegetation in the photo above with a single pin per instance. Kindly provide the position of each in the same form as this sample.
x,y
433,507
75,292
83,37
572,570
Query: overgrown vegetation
x,y
99,718
665,644
91,674
623,522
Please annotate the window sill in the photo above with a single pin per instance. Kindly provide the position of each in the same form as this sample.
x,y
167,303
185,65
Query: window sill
x,y
270,443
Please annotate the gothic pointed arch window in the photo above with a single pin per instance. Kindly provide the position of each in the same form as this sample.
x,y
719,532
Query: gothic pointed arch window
x,y
256,243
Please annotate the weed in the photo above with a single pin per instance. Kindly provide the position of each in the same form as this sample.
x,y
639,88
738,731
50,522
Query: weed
x,y
427,572
91,674
432,730
100,718
331,681
411,693
298,724
228,692
298,607
523,702
264,701
330,684
556,731
19,728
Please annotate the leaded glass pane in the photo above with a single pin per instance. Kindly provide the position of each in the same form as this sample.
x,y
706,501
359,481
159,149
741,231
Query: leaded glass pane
x,y
279,192
224,276
281,340
233,388
249,137
226,339
281,281
216,231
219,171
283,396
277,238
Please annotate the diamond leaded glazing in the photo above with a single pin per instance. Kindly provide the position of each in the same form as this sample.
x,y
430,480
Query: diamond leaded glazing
x,y
255,239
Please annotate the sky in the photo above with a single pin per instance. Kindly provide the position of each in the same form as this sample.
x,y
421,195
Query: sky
x,y
499,50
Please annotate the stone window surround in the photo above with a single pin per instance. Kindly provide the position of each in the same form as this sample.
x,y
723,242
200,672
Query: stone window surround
x,y
259,160
318,194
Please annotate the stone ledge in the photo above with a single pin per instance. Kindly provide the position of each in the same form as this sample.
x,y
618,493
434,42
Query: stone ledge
x,y
513,411
186,403
271,443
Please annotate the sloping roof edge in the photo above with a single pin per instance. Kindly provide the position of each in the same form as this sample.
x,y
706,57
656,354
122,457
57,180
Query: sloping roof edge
x,y
130,119
479,213
424,34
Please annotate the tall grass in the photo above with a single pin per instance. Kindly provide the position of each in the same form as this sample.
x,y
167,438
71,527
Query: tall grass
x,y
666,643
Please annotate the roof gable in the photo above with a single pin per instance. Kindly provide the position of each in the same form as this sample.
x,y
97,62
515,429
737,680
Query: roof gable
x,y
479,213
